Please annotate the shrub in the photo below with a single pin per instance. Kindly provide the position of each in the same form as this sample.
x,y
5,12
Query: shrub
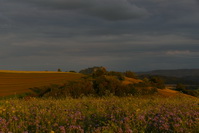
x,y
157,82
72,71
104,85
59,70
186,90
74,89
89,71
118,75
99,72
80,88
180,87
130,74
101,83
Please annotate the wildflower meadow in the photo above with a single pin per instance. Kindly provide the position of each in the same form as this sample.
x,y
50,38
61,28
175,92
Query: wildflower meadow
x,y
151,114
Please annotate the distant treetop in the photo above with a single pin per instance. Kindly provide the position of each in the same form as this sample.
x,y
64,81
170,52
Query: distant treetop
x,y
92,70
59,70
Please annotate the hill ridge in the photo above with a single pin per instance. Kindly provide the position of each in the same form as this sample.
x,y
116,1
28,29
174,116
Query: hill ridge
x,y
173,72
15,71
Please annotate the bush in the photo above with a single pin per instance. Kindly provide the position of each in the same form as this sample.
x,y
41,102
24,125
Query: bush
x,y
187,90
74,89
100,84
99,72
157,82
118,75
80,88
139,89
59,70
180,87
72,71
130,74
104,85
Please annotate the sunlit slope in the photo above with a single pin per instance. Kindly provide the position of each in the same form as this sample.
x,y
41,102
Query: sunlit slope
x,y
172,93
131,81
162,92
17,82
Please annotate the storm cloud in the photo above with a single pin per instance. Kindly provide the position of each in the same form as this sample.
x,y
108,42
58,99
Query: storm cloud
x,y
109,10
118,34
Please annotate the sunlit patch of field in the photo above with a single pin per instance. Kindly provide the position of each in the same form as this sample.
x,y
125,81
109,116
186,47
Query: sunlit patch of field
x,y
131,81
17,82
172,93
168,92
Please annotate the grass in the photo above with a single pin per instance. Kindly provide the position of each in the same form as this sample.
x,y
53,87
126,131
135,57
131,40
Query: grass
x,y
19,82
131,80
101,115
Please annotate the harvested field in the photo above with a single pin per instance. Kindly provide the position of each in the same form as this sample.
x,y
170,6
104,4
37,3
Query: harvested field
x,y
17,82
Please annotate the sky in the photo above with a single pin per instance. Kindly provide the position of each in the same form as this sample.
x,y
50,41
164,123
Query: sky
x,y
136,35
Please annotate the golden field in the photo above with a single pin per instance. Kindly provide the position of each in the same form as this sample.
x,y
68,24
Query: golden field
x,y
18,82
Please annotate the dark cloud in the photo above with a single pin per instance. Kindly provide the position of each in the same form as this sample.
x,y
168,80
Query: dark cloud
x,y
75,34
116,10
4,22
108,10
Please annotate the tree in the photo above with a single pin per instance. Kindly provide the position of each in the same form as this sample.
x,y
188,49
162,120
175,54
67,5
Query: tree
x,y
59,70
99,72
119,75
72,71
105,85
180,87
130,74
157,82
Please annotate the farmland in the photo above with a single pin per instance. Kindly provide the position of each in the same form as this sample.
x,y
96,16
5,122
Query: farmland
x,y
100,115
18,82
92,104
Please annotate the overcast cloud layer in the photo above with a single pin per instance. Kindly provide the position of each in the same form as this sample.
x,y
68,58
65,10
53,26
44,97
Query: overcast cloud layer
x,y
121,35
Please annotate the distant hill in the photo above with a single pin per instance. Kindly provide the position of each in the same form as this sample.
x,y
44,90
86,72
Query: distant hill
x,y
174,73
187,76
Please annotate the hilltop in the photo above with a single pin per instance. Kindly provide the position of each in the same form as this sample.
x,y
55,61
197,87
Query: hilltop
x,y
92,81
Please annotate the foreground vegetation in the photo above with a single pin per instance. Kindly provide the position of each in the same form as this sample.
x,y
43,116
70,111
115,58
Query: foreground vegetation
x,y
104,114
